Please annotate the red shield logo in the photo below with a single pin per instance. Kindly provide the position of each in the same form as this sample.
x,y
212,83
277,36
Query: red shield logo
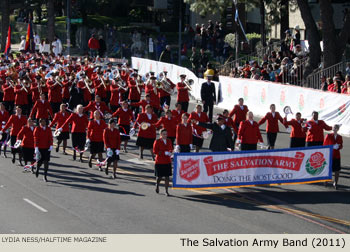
x,y
189,169
138,64
150,67
321,103
245,92
164,69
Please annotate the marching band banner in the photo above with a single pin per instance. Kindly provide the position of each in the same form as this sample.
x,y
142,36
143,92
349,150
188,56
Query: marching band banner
x,y
333,108
248,168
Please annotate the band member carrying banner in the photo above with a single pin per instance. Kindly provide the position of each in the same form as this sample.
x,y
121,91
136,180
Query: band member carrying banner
x,y
239,112
297,135
184,135
249,133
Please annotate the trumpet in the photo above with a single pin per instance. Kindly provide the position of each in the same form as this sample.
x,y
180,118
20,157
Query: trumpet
x,y
188,83
58,81
102,81
24,86
87,84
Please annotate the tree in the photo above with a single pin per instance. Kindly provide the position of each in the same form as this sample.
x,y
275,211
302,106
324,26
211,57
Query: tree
x,y
50,20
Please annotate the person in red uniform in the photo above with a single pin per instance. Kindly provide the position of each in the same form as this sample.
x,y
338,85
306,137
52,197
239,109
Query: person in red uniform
x,y
16,122
95,135
9,95
41,109
177,112
67,83
143,103
152,90
43,142
169,123
249,133
115,95
314,136
199,116
135,89
147,130
26,136
21,96
125,117
239,112
99,85
59,120
164,96
337,142
79,122
97,105
111,139
272,129
182,93
4,117
184,135
298,133
55,92
35,88
163,149
82,85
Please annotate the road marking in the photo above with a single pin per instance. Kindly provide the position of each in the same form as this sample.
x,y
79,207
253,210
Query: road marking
x,y
35,205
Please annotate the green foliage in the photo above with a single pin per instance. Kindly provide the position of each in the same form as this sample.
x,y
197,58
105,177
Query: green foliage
x,y
254,35
231,40
208,6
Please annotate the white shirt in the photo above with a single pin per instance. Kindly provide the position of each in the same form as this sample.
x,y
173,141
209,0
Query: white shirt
x,y
22,45
242,107
98,122
273,114
251,122
164,141
223,126
149,116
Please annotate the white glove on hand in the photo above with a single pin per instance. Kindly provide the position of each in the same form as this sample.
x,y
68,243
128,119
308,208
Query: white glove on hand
x,y
36,150
167,153
117,152
51,147
191,146
336,146
60,129
88,140
177,148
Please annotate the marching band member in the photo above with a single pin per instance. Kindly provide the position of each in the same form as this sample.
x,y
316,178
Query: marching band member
x,y
21,96
79,123
147,133
42,108
115,96
337,142
152,90
164,96
239,112
125,117
272,129
184,135
249,133
182,93
177,112
297,135
135,89
111,139
95,135
4,117
169,123
43,144
35,88
100,85
143,103
221,140
199,116
9,95
26,136
16,122
67,83
163,149
59,119
54,92
97,105
314,136
84,86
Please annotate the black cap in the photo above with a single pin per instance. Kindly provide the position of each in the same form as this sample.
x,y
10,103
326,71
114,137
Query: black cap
x,y
183,75
151,73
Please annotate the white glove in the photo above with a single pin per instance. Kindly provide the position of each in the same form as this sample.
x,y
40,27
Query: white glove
x,y
60,129
117,152
229,149
336,146
191,146
36,150
167,153
108,149
51,147
1,132
88,140
109,152
177,148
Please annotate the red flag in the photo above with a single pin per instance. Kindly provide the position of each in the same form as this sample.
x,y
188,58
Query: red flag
x,y
29,37
8,42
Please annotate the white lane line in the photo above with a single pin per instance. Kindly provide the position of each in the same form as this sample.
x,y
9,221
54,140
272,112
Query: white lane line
x,y
35,205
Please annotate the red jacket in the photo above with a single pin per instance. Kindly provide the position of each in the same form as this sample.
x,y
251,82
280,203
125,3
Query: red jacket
x,y
9,93
297,130
239,113
168,124
315,133
142,103
229,123
95,130
42,110
79,123
26,134
177,114
21,96
65,90
151,131
86,93
182,92
93,106
155,101
16,124
93,44
111,138
114,100
272,122
159,149
198,130
4,117
184,134
124,117
43,137
35,91
60,119
134,94
100,90
55,91
330,140
249,133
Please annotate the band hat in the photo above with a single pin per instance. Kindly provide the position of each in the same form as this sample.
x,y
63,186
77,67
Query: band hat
x,y
153,78
183,75
220,117
151,73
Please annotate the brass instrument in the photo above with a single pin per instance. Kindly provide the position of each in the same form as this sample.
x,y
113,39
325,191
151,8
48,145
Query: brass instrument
x,y
138,83
166,86
12,84
188,83
102,81
88,82
23,84
58,81
119,81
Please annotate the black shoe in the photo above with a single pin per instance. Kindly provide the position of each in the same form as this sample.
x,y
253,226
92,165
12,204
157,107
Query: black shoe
x,y
90,162
157,190
114,175
37,173
141,156
45,179
20,162
57,148
74,155
13,160
106,170
167,194
64,152
5,156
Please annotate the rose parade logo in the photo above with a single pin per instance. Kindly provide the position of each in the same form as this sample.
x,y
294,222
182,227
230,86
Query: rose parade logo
x,y
315,164
138,64
263,95
342,109
245,93
321,103
301,102
282,98
189,169
229,90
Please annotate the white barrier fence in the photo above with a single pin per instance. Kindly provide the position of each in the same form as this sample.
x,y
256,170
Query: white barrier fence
x,y
258,95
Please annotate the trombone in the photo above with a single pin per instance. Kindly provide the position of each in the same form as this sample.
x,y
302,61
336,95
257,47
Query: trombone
x,y
24,86
58,80
87,84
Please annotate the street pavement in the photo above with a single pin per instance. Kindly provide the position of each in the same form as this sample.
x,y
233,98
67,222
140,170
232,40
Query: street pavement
x,y
79,199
